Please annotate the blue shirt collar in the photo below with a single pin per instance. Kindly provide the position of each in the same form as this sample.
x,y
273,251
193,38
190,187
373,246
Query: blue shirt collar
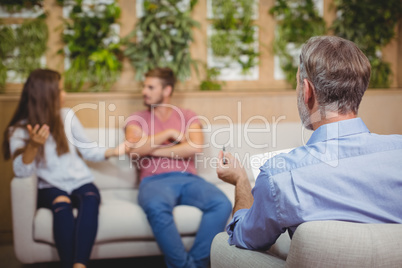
x,y
337,130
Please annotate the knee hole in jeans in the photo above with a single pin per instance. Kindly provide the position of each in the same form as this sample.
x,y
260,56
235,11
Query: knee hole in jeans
x,y
61,199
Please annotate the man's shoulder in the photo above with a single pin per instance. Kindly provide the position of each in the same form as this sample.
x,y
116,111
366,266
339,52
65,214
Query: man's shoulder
x,y
326,152
372,143
188,115
285,162
141,113
138,118
377,143
185,111
387,138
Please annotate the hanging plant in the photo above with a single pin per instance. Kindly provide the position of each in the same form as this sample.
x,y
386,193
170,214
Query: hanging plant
x,y
162,38
92,47
297,21
22,48
234,34
370,24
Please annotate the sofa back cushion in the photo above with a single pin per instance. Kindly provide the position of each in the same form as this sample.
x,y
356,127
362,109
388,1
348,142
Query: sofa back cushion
x,y
115,173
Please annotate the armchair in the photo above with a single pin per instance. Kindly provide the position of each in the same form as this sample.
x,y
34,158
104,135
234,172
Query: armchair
x,y
321,244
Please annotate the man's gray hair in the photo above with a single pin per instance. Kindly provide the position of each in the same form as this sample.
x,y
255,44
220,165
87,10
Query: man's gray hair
x,y
338,70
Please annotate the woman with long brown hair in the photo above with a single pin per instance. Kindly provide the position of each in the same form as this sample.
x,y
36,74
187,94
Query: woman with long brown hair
x,y
39,143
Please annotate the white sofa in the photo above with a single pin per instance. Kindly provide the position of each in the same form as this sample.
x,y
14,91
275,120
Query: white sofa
x,y
123,228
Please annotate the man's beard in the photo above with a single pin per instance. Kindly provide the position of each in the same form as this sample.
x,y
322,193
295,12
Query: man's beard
x,y
304,113
155,104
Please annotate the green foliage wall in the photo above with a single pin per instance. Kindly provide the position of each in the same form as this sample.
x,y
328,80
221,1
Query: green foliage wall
x,y
94,55
368,23
371,25
163,35
234,32
297,21
21,48
233,39
162,38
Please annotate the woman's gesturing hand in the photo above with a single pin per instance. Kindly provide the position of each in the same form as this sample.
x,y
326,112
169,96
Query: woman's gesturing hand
x,y
38,136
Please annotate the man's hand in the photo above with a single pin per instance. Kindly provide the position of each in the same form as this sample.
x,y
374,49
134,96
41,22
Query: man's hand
x,y
175,136
38,136
232,172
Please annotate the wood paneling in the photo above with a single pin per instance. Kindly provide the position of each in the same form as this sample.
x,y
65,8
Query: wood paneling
x,y
7,107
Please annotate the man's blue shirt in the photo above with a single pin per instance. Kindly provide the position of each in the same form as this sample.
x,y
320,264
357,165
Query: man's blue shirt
x,y
343,173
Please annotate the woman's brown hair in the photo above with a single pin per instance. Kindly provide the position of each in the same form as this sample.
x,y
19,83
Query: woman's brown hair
x,y
39,104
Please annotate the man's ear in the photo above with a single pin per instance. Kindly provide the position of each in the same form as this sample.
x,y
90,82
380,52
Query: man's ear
x,y
167,91
309,93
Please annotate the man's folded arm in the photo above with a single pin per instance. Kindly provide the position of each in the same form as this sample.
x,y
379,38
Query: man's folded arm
x,y
142,144
190,144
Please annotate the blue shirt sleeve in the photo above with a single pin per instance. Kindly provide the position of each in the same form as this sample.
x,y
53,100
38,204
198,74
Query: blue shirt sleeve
x,y
257,228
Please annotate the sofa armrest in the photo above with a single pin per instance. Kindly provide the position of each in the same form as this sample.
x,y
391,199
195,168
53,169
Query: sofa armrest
x,y
24,193
346,244
223,255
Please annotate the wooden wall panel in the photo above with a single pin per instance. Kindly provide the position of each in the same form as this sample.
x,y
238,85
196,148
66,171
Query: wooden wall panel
x,y
7,107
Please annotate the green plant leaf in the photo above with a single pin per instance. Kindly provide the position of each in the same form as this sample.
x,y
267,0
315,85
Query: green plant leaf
x,y
94,61
370,24
166,33
234,29
297,21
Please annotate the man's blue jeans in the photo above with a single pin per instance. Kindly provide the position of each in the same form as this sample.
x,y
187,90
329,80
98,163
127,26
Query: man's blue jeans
x,y
159,194
74,238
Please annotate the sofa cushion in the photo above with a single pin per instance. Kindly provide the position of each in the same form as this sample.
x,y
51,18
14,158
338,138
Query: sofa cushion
x,y
114,173
121,218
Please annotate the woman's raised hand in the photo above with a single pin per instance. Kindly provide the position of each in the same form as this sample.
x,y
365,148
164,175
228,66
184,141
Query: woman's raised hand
x,y
38,136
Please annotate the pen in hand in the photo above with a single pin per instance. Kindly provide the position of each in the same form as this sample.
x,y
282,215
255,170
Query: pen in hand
x,y
224,161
